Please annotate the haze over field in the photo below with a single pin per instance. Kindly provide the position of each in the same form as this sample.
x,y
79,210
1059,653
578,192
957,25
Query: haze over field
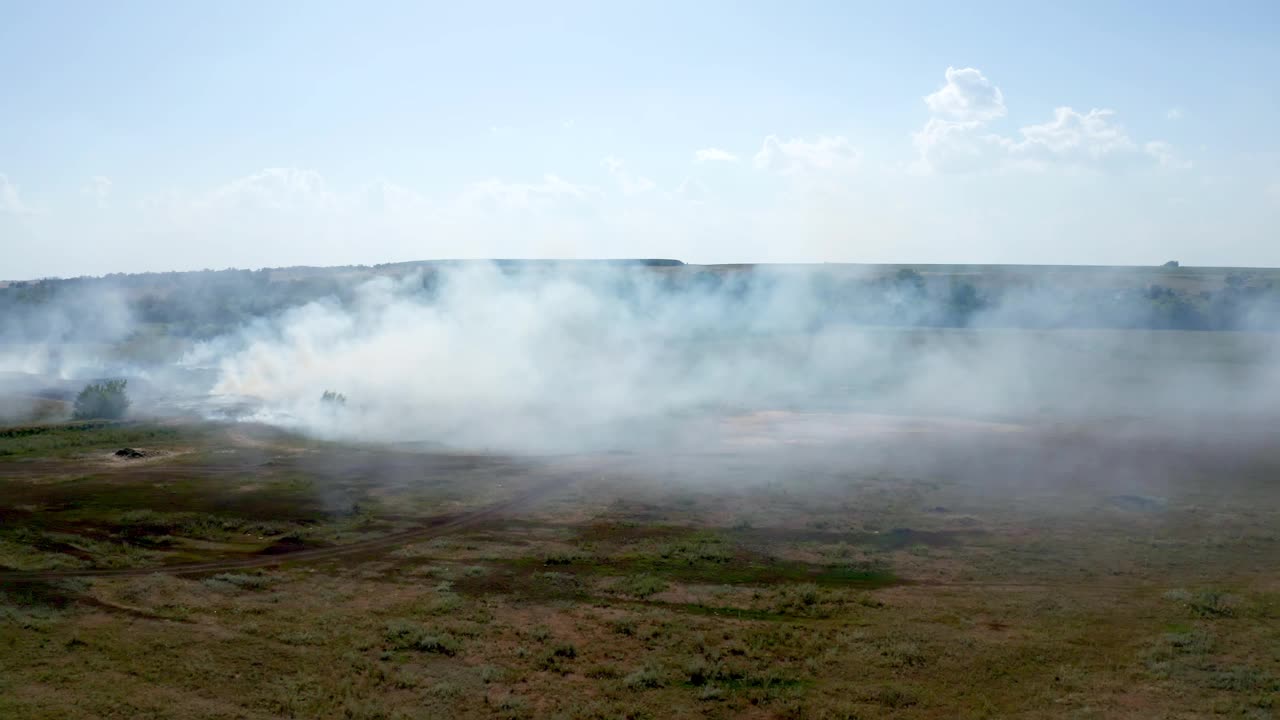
x,y
404,360
562,356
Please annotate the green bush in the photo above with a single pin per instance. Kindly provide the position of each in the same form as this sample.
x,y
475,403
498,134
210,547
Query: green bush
x,y
403,635
106,400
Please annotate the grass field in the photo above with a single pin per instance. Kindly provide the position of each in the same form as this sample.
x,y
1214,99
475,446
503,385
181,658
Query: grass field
x,y
922,570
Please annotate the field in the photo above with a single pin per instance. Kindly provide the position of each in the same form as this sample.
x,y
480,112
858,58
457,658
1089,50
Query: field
x,y
799,565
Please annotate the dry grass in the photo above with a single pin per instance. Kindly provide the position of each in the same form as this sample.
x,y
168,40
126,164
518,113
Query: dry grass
x,y
803,588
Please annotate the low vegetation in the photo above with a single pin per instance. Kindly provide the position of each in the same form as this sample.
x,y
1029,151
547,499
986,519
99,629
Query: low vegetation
x,y
105,400
858,595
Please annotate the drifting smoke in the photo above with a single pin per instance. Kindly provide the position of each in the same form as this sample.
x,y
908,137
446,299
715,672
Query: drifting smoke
x,y
563,358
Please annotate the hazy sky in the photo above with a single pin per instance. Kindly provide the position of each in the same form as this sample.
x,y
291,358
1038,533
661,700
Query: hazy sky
x,y
151,136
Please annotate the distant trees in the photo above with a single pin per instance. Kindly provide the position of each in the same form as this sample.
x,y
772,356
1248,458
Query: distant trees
x,y
1172,264
105,400
333,398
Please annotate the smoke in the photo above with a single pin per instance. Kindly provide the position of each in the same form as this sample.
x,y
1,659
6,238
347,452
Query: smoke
x,y
61,331
552,358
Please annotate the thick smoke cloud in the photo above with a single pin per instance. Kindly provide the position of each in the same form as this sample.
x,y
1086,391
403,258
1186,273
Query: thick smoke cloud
x,y
569,358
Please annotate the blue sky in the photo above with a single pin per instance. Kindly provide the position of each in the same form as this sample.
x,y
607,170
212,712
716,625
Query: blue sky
x,y
151,136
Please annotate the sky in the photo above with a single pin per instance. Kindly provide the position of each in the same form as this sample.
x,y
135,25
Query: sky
x,y
147,136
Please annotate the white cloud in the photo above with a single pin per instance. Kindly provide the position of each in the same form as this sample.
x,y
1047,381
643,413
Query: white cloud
x,y
1074,138
796,156
958,139
714,155
388,197
1174,114
99,188
968,95
10,202
272,189
631,185
950,146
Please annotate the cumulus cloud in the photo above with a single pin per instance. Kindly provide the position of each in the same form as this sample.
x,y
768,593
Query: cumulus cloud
x,y
967,95
272,189
796,156
958,137
952,146
10,202
631,184
1091,138
388,197
714,155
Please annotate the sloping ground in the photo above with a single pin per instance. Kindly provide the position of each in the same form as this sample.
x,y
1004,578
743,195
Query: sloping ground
x,y
954,571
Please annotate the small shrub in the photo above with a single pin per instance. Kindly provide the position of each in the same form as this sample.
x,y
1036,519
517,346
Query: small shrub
x,y
1207,603
102,401
1239,679
226,581
647,677
710,693
903,654
642,586
401,635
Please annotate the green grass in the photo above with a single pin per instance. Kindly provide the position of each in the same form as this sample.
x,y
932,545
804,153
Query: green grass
x,y
31,441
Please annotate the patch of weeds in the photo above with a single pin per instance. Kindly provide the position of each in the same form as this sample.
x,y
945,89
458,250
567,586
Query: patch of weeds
x,y
1206,603
565,557
895,697
1240,679
565,650
237,581
446,603
445,690
404,679
540,633
644,678
624,626
403,635
602,672
710,693
903,654
303,638
641,586
359,709
491,673
512,707
1178,653
553,660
